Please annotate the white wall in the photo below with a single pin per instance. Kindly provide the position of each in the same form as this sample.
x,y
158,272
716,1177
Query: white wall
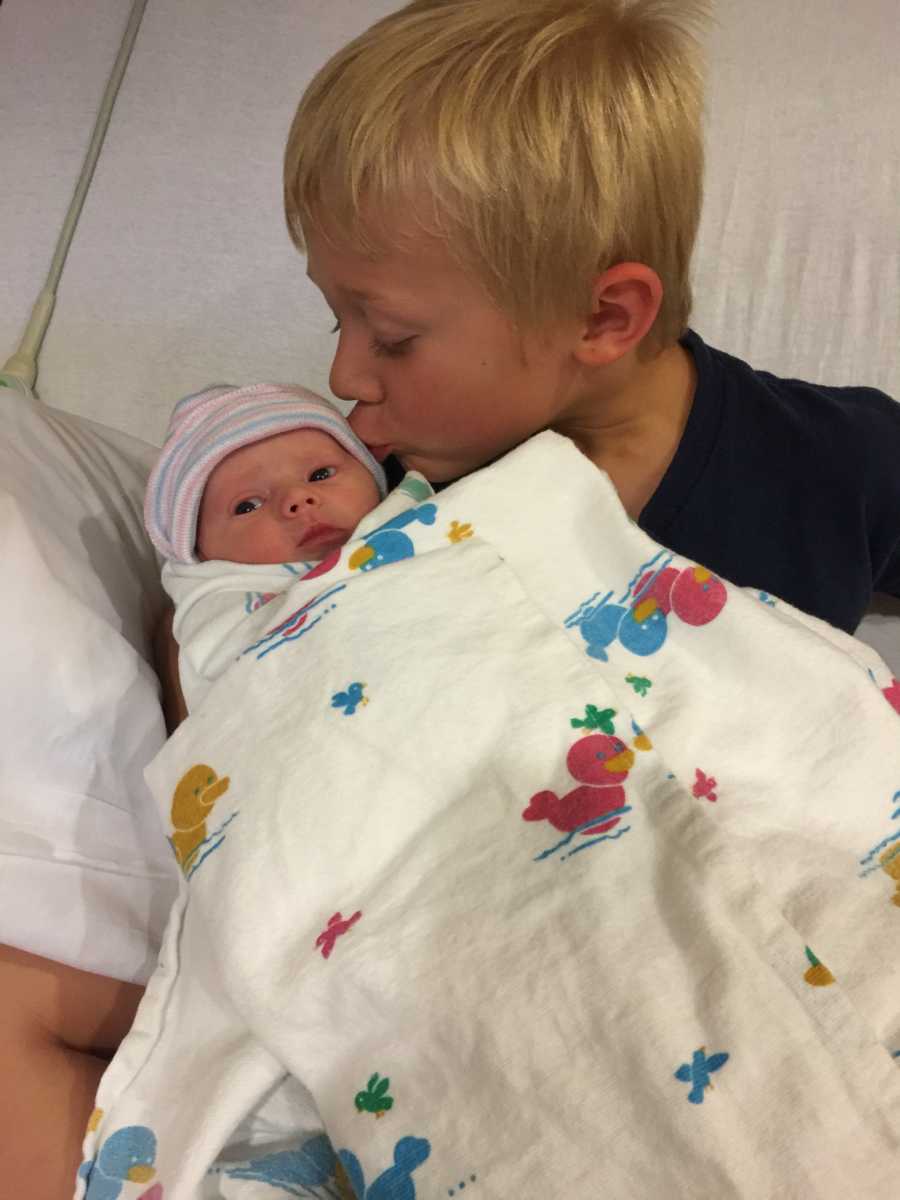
x,y
182,273
798,262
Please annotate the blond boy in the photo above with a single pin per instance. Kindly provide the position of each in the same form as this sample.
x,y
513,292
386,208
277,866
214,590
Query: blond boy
x,y
499,201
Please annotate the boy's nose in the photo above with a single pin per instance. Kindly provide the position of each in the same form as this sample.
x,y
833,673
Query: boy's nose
x,y
349,379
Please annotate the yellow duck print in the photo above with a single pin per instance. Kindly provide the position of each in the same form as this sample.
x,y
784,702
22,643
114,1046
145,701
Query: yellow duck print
x,y
890,863
196,793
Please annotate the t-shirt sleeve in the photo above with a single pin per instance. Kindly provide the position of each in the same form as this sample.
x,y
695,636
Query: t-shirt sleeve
x,y
889,582
882,469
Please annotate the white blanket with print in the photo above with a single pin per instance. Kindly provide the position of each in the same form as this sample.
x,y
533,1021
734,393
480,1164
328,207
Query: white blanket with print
x,y
536,862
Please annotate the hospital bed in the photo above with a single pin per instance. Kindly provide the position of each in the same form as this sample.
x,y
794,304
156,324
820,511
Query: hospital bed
x,y
180,272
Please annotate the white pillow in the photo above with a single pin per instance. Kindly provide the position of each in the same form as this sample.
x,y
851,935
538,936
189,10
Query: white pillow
x,y
87,877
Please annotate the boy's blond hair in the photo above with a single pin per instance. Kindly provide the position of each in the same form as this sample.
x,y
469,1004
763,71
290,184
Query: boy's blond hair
x,y
547,140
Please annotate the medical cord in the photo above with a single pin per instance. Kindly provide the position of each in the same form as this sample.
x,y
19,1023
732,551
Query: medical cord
x,y
23,364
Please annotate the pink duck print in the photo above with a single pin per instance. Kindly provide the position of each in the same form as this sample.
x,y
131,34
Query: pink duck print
x,y
600,763
695,594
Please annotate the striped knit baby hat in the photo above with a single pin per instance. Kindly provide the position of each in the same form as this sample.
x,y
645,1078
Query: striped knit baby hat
x,y
206,427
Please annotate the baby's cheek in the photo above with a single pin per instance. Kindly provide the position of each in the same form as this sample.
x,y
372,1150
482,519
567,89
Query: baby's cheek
x,y
367,497
202,541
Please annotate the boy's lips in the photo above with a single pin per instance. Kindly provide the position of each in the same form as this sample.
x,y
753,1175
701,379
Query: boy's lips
x,y
378,451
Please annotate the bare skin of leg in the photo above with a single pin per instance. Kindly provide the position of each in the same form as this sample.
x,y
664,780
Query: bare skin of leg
x,y
58,1028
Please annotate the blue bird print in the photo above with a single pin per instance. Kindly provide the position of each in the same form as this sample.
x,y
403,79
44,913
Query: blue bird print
x,y
644,628
600,627
698,1071
300,1172
127,1156
350,700
396,1183
387,544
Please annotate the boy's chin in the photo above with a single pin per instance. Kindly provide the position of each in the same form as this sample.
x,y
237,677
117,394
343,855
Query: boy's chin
x,y
437,471
441,472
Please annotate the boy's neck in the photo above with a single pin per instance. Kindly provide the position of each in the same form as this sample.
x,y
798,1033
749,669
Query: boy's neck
x,y
633,431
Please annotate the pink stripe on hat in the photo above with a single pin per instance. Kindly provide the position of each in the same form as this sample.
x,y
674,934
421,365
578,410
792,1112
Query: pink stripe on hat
x,y
206,427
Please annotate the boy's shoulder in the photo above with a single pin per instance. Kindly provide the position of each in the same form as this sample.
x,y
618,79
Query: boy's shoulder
x,y
806,410
785,485
843,440
778,426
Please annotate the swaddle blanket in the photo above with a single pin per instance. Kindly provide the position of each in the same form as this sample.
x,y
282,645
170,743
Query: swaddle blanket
x,y
523,858
219,605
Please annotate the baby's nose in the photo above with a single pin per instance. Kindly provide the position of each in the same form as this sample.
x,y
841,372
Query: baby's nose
x,y
298,498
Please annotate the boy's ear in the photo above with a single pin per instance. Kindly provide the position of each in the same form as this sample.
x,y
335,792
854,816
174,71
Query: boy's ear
x,y
624,302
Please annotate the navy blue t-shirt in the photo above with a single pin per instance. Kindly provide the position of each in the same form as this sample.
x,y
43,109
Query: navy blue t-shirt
x,y
790,487
785,486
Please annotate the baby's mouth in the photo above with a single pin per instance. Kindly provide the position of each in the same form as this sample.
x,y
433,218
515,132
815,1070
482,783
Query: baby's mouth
x,y
320,539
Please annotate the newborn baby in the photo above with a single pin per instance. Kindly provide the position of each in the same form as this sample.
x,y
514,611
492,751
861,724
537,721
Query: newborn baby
x,y
259,474
264,476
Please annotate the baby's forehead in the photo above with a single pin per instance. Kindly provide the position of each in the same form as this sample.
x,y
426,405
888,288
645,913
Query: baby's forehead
x,y
294,446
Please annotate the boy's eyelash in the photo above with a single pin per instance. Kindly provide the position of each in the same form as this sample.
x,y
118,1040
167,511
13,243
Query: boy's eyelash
x,y
392,349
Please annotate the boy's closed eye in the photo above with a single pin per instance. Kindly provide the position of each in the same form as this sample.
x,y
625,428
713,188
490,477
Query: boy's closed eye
x,y
393,349
383,346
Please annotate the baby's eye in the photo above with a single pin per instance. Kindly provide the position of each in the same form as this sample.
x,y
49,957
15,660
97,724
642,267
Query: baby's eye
x,y
321,473
247,506
393,349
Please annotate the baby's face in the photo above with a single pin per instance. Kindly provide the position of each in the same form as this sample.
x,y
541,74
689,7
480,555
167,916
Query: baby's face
x,y
294,497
